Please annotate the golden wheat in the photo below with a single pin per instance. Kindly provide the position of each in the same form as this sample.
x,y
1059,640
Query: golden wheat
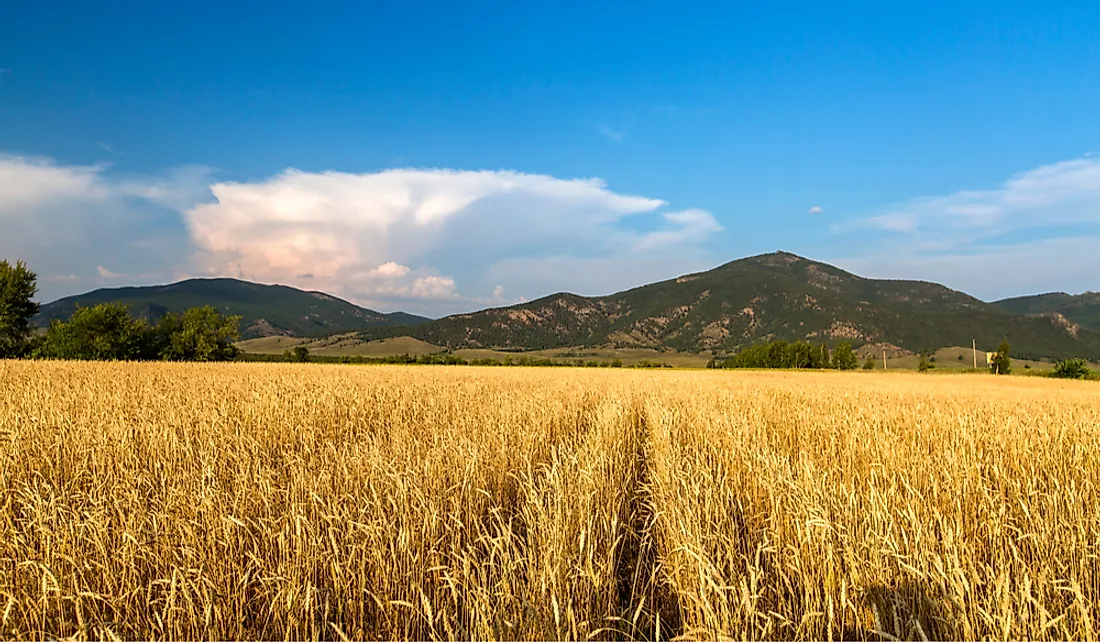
x,y
258,501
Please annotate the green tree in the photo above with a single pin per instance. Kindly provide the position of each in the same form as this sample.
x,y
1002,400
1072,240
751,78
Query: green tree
x,y
1001,363
869,364
924,365
1071,369
843,357
199,334
301,354
18,285
105,332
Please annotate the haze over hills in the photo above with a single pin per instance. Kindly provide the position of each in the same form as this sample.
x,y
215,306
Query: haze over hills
x,y
1082,309
265,310
761,298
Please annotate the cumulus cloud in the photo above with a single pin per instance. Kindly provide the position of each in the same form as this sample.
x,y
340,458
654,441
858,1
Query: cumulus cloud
x,y
423,240
410,234
816,209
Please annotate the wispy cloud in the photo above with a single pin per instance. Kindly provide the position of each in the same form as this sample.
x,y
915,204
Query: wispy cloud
x,y
816,209
612,134
107,148
1063,193
1037,231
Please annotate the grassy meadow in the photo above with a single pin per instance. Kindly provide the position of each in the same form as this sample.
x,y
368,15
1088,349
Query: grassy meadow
x,y
286,501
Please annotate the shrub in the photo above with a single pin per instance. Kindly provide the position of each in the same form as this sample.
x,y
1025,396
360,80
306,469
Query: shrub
x,y
1071,369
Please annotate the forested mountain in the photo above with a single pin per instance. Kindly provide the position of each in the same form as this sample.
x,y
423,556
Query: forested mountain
x,y
1082,309
265,310
761,298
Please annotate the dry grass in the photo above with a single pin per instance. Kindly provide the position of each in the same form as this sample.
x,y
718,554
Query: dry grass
x,y
304,501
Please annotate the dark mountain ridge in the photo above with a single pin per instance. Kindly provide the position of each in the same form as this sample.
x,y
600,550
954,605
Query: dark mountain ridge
x,y
1082,309
265,310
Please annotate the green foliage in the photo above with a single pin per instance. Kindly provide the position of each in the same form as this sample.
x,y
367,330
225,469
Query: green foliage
x,y
301,354
1071,369
1002,363
843,357
869,363
778,354
18,286
924,365
105,332
199,334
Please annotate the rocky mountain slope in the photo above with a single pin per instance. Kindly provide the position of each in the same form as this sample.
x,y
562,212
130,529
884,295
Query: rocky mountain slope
x,y
761,298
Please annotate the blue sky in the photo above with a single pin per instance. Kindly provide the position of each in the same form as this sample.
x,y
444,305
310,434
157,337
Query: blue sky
x,y
440,157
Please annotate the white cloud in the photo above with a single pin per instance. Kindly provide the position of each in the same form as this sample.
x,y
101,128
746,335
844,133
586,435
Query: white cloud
x,y
816,209
405,234
688,226
1059,194
423,240
1038,231
390,270
67,221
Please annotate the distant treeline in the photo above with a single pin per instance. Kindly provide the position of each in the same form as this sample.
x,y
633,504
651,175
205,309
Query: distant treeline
x,y
446,359
799,354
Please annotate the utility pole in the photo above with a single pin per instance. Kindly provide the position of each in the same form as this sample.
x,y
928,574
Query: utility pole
x,y
884,359
974,345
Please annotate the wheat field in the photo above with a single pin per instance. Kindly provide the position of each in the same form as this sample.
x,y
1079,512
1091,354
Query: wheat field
x,y
264,501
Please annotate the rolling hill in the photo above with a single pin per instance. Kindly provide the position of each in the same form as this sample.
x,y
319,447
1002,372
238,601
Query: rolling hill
x,y
760,298
265,310
1082,309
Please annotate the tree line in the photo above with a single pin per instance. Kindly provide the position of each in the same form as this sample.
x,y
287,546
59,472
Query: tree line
x,y
301,354
107,331
794,355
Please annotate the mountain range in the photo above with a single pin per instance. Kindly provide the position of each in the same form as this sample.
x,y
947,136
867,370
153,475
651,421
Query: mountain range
x,y
265,310
763,298
760,298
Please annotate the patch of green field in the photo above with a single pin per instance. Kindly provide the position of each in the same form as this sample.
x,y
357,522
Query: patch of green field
x,y
270,345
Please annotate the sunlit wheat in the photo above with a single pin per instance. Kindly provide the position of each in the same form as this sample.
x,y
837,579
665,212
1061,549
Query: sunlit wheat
x,y
301,501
